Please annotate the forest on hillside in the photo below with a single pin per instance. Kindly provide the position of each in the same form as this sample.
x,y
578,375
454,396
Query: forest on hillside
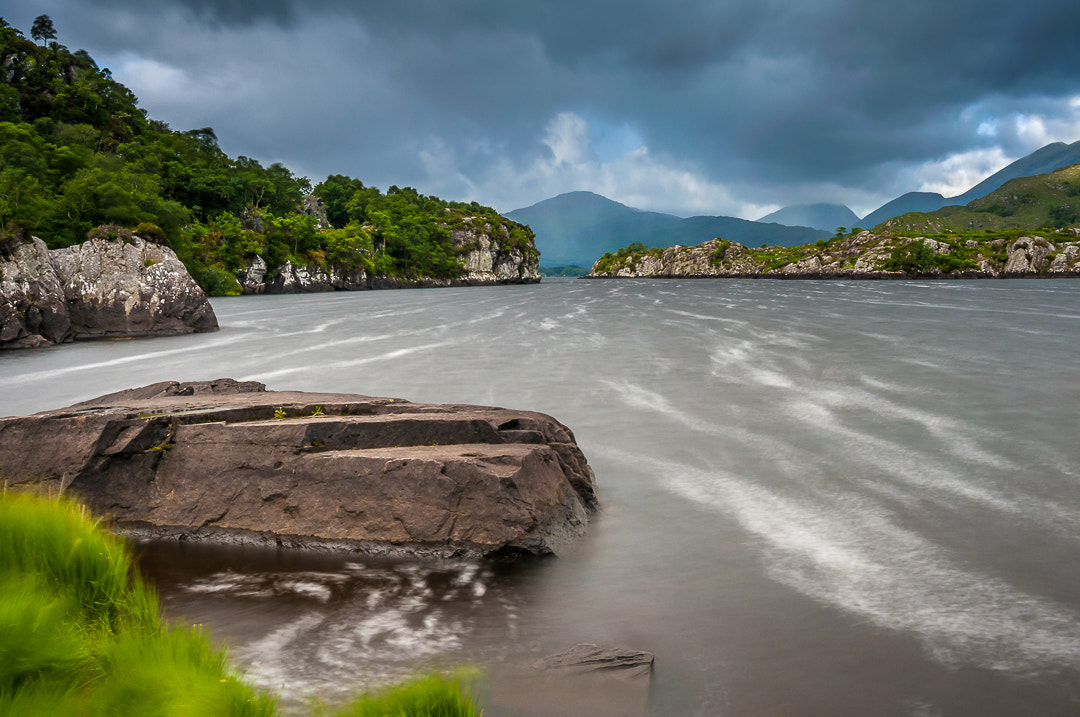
x,y
78,155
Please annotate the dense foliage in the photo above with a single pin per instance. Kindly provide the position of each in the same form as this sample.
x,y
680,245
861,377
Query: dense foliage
x,y
634,252
77,152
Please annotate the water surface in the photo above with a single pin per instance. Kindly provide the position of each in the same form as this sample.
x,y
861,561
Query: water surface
x,y
820,498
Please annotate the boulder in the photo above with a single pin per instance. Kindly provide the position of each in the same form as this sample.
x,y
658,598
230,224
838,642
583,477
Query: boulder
x,y
230,461
136,288
100,288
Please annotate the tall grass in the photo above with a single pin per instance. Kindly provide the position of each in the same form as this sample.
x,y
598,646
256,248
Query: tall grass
x,y
81,635
432,696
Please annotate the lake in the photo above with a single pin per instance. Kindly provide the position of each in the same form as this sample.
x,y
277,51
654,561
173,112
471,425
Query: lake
x,y
819,498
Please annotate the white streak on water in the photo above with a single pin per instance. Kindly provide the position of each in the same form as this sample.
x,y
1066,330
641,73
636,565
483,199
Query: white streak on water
x,y
847,551
30,376
351,363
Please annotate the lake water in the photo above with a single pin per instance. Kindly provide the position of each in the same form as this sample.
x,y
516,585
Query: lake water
x,y
819,498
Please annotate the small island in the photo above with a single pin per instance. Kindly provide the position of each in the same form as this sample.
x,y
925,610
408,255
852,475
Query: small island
x,y
863,255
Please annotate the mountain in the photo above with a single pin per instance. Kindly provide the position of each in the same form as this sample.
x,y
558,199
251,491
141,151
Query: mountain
x,y
577,228
826,217
1044,200
1047,159
910,202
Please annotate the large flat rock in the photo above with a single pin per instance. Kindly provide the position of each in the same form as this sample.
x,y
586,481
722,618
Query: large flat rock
x,y
230,461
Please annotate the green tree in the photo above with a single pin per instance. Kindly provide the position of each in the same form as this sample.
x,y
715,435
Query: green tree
x,y
43,29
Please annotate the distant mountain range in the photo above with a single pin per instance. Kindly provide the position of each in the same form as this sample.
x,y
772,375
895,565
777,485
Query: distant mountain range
x,y
1052,156
1043,200
576,228
826,217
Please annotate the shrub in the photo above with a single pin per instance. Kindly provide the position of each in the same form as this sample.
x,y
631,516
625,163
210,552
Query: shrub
x,y
109,232
912,258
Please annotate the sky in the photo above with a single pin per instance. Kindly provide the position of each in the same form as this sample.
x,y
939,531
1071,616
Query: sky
x,y
733,107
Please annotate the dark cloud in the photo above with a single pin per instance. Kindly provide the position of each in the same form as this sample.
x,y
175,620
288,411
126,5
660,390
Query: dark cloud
x,y
764,99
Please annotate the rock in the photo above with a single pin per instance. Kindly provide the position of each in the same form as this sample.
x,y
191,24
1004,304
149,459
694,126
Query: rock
x,y
136,288
590,658
252,279
33,310
313,207
810,266
229,461
97,289
584,680
1065,259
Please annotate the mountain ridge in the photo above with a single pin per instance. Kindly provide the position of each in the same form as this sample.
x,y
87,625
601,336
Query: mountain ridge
x,y
576,228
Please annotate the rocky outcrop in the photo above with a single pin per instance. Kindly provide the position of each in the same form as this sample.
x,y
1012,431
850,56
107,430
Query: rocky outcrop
x,y
289,279
97,289
229,461
860,256
489,256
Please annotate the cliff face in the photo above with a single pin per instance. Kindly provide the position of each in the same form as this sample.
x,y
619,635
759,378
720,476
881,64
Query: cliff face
x,y
488,253
97,289
491,256
859,256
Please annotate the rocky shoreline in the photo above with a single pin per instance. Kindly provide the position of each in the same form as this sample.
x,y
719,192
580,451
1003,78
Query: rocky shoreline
x,y
227,461
488,255
114,288
865,255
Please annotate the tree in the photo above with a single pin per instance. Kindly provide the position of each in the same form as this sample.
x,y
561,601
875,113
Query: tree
x,y
43,29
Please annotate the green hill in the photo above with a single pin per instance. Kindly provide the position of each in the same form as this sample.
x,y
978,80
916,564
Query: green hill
x,y
1046,159
77,152
1044,200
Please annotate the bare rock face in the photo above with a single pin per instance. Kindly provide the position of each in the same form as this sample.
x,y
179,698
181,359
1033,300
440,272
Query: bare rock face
x,y
116,288
492,258
33,310
97,289
229,461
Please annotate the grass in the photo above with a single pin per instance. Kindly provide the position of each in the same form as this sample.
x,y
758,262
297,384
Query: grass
x,y
423,697
81,635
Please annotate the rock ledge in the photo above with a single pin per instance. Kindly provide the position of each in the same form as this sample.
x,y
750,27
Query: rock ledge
x,y
229,461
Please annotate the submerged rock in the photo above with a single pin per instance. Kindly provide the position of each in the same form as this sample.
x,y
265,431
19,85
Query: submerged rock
x,y
230,461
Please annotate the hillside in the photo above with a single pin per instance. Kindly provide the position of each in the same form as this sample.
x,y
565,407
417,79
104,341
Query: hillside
x,y
826,217
1053,156
1044,200
574,229
78,153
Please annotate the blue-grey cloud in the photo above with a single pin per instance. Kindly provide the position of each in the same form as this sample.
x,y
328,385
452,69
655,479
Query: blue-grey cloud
x,y
761,102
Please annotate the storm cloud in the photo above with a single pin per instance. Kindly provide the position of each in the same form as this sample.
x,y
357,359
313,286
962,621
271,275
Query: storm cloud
x,y
688,106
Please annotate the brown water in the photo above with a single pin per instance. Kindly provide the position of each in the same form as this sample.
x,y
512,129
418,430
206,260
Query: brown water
x,y
819,498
